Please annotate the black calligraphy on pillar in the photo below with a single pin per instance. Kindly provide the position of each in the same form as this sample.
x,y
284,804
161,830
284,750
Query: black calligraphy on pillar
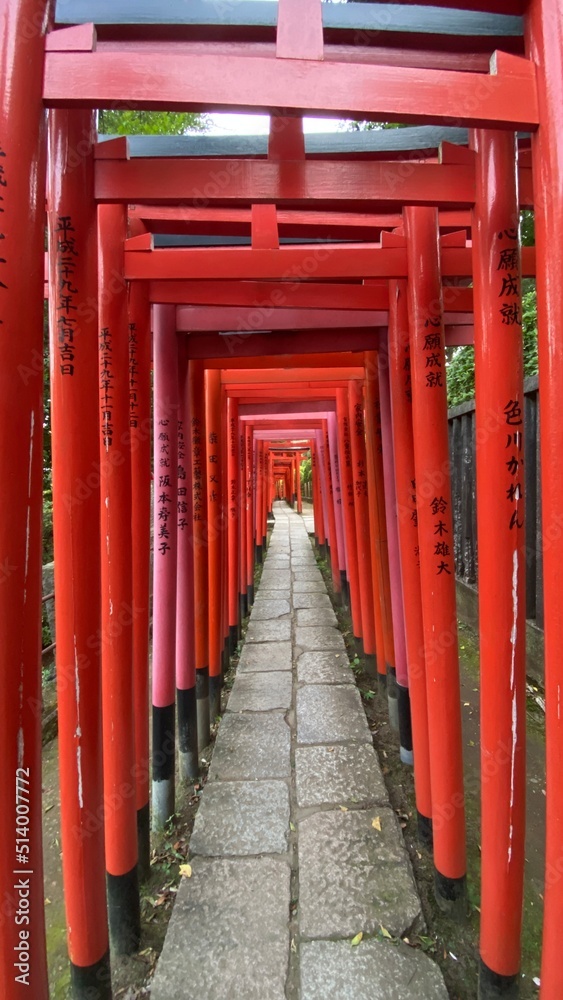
x,y
360,482
133,376
441,538
106,386
164,502
182,489
348,461
508,268
515,461
3,186
213,460
407,382
66,258
433,353
197,470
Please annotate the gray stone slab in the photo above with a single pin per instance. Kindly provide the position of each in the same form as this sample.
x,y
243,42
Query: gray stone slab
x,y
235,818
227,938
261,692
272,631
353,877
267,610
250,746
315,586
324,668
276,562
316,600
304,573
331,713
259,656
322,637
338,775
275,579
303,561
315,616
267,593
375,970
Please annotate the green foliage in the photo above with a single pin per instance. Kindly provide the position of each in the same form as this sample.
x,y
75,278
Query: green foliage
x,y
112,122
306,473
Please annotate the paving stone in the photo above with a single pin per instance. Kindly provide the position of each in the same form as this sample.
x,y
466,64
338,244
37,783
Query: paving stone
x,y
250,746
311,638
353,877
275,579
331,713
375,970
338,775
311,575
261,692
227,938
315,616
324,668
298,561
316,600
273,631
276,562
272,594
236,819
309,587
267,610
259,656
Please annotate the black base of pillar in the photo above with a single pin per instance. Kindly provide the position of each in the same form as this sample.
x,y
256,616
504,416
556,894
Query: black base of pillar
x,y
234,635
265,544
392,699
382,678
124,912
144,842
202,707
91,982
243,606
345,589
370,664
250,595
214,698
492,986
258,554
225,658
359,646
186,701
451,895
424,829
405,727
163,742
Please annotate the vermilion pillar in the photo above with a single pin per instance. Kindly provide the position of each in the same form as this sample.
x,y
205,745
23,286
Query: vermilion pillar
x,y
233,517
186,697
397,610
544,31
331,517
337,498
214,468
73,321
249,507
347,487
407,523
165,439
199,494
361,514
435,533
22,157
317,501
243,594
499,402
140,429
117,586
259,499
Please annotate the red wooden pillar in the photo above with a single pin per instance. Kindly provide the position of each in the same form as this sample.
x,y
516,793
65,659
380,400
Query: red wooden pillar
x,y
249,513
361,514
330,518
499,393
544,31
378,527
213,462
199,494
73,287
259,500
241,518
298,473
317,500
378,554
22,214
233,518
117,586
337,500
435,533
165,562
186,695
347,487
407,522
140,430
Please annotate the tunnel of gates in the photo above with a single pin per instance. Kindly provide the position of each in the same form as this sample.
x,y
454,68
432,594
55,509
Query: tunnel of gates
x,y
300,294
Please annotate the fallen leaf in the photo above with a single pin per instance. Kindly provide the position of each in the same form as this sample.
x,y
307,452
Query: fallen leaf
x,y
356,940
292,827
330,749
466,704
47,901
385,933
186,871
344,809
376,823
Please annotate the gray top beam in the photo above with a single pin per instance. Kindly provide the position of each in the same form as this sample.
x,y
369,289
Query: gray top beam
x,y
387,18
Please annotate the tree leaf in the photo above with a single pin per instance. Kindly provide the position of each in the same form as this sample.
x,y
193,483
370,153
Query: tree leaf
x,y
376,823
186,871
356,940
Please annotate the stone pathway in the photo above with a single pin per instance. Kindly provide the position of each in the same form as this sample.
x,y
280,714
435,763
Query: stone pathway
x,y
295,846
